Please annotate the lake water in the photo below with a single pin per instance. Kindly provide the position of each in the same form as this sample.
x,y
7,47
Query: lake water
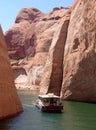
x,y
76,116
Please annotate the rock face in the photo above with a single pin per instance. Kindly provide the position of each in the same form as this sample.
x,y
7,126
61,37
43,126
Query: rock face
x,y
79,79
30,38
70,70
75,3
10,104
79,61
53,72
32,32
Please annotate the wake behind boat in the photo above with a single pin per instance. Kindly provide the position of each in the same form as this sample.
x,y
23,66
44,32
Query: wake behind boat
x,y
49,103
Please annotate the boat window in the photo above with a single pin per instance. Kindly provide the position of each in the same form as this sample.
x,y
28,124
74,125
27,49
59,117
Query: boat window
x,y
53,101
45,100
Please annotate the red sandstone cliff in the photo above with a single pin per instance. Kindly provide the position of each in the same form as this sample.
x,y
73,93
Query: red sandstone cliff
x,y
30,38
79,61
32,32
10,104
70,67
79,74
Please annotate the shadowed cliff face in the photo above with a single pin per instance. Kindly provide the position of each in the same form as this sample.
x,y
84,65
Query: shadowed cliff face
x,y
9,102
79,79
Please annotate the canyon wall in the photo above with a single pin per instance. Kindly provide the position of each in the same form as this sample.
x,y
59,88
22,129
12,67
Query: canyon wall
x,y
10,104
79,59
28,43
79,73
63,63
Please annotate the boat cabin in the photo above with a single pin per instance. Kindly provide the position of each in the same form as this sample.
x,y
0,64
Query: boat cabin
x,y
49,102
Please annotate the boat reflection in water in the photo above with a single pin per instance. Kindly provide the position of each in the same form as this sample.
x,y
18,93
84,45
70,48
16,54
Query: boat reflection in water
x,y
49,103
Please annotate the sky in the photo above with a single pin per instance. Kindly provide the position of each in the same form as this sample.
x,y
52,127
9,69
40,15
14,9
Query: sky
x,y
9,9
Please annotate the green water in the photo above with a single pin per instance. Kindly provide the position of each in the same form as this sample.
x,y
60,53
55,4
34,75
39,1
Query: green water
x,y
76,116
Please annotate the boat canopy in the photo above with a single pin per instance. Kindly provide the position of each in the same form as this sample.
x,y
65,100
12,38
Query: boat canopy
x,y
48,96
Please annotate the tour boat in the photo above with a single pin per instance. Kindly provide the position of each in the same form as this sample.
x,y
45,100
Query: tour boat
x,y
49,103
